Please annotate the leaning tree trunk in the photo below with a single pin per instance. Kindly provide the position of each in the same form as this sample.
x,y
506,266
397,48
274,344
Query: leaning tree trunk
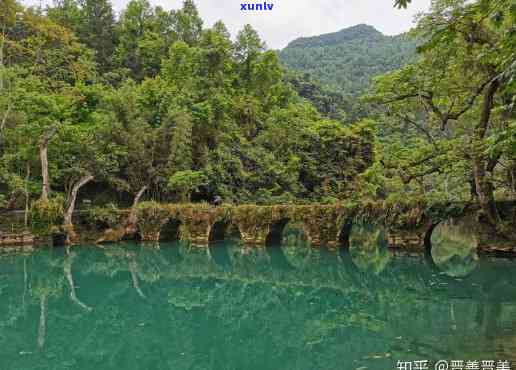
x,y
132,219
45,191
43,155
67,222
73,197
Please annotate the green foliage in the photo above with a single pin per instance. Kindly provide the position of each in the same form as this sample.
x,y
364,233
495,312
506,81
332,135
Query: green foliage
x,y
402,3
166,105
46,216
108,216
446,118
184,182
93,23
347,60
329,103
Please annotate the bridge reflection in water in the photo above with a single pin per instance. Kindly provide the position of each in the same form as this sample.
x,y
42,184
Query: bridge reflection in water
x,y
172,305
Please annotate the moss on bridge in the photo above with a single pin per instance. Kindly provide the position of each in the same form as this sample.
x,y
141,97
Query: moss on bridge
x,y
328,225
407,224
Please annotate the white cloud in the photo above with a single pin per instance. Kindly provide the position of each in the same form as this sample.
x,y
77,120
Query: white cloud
x,y
291,19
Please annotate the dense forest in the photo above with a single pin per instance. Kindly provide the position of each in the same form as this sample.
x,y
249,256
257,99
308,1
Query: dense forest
x,y
152,103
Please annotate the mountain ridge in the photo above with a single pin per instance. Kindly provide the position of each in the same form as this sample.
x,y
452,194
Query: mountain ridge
x,y
347,60
333,37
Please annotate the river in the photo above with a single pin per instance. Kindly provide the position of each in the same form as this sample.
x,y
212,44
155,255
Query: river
x,y
176,306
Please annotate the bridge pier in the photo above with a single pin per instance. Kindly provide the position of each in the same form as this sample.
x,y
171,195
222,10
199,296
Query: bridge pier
x,y
254,234
323,226
151,217
197,231
255,223
318,238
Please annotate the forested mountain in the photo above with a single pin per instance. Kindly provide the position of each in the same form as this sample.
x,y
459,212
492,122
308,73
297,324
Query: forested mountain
x,y
346,60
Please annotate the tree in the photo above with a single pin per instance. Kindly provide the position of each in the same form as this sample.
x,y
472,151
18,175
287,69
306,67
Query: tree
x,y
458,87
248,47
402,3
187,23
144,36
8,9
97,30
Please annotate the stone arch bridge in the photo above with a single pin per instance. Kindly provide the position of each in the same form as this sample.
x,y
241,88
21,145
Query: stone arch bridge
x,y
328,225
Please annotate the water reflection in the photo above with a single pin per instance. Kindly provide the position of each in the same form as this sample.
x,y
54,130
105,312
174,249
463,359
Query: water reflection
x,y
219,252
453,251
368,246
135,306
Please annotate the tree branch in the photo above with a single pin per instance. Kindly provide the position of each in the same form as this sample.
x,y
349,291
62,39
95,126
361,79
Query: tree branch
x,y
4,118
417,126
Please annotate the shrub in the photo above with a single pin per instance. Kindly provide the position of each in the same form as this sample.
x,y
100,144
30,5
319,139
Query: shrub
x,y
47,216
104,217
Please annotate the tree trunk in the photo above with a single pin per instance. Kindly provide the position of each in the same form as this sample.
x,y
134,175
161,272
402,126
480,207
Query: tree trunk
x,y
485,192
73,197
26,190
131,220
127,228
483,184
2,69
43,155
5,116
2,43
45,191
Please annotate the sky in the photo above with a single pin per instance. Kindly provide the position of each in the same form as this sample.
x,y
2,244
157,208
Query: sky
x,y
290,19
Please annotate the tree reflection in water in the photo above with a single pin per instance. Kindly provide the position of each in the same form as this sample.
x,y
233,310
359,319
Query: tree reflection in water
x,y
289,306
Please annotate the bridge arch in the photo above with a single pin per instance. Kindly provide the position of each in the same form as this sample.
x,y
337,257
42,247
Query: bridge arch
x,y
428,236
218,231
345,234
275,234
171,230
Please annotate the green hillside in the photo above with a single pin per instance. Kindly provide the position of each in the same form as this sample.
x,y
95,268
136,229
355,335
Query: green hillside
x,y
346,60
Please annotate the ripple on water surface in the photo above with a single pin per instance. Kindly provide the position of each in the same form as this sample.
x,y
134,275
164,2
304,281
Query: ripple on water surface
x,y
175,306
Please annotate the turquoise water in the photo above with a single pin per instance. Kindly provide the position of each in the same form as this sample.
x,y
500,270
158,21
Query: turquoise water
x,y
176,306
